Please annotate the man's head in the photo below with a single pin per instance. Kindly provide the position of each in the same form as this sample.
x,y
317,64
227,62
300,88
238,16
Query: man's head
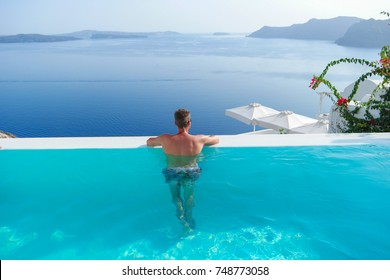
x,y
182,118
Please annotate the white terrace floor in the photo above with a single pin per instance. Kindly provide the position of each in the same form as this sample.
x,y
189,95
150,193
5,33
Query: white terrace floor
x,y
243,140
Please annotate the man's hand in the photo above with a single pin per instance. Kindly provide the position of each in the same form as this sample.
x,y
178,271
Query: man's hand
x,y
153,141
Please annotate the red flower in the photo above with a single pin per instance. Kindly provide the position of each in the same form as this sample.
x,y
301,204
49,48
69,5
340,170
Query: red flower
x,y
313,83
342,101
385,61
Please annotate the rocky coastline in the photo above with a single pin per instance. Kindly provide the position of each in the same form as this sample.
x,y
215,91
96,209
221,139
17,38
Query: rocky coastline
x,y
4,134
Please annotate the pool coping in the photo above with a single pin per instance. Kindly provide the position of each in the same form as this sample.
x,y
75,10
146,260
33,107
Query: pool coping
x,y
240,140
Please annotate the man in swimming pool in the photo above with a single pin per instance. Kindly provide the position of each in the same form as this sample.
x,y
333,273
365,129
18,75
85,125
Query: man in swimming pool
x,y
181,150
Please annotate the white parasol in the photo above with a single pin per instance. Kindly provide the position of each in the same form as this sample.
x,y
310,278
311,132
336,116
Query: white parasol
x,y
284,120
247,114
320,126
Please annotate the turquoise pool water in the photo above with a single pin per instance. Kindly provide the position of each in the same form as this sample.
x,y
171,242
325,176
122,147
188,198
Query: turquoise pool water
x,y
328,202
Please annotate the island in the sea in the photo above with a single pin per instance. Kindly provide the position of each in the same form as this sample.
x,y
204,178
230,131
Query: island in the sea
x,y
221,34
95,34
35,38
80,35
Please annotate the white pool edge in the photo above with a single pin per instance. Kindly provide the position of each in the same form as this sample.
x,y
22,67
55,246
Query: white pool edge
x,y
243,140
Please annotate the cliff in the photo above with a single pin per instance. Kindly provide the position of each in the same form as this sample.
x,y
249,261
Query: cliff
x,y
314,29
367,34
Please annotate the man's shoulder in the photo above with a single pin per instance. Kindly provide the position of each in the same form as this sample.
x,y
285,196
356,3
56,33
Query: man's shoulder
x,y
159,140
198,137
166,135
201,138
167,138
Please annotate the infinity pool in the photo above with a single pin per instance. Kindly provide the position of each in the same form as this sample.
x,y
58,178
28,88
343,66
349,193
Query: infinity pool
x,y
306,202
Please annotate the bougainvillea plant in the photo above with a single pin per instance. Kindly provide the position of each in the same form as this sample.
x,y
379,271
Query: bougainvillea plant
x,y
370,123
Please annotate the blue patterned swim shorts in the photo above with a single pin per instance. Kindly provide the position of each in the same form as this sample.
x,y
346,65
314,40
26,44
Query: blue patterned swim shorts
x,y
181,173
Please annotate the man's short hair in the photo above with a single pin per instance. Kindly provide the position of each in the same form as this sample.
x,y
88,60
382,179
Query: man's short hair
x,y
182,118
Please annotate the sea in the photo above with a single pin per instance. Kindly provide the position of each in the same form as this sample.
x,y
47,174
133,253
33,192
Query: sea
x,y
131,87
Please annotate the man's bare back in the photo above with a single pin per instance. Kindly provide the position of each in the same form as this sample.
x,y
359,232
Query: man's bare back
x,y
182,148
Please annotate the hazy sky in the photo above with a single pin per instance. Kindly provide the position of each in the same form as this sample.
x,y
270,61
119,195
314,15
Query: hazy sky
x,y
61,16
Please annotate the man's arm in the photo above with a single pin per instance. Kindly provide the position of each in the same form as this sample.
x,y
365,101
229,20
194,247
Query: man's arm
x,y
210,140
154,141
